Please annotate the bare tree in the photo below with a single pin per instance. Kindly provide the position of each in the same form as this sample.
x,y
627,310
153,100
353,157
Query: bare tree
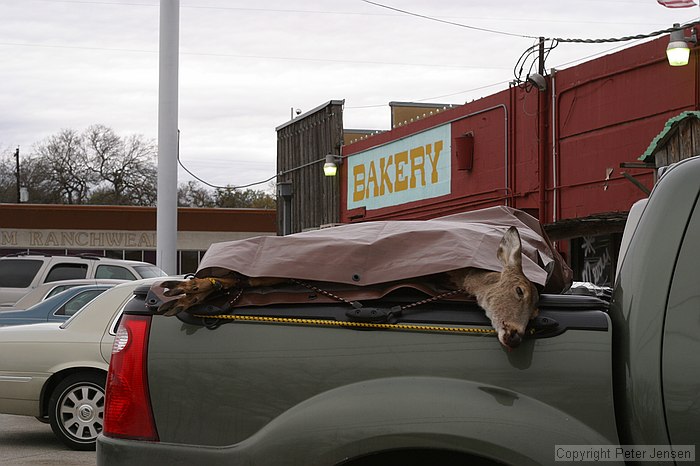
x,y
124,166
100,167
41,189
8,176
191,194
32,176
65,166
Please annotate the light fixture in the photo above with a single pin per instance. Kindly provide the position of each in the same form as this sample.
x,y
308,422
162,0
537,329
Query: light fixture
x,y
330,168
538,81
678,51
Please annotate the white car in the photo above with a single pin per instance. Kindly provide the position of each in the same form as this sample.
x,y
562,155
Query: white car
x,y
56,372
21,273
47,290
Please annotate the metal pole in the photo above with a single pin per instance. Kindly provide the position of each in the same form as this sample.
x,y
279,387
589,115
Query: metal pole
x,y
19,195
540,61
166,226
284,190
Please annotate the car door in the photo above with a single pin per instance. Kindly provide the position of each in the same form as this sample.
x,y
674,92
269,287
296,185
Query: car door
x,y
60,269
681,344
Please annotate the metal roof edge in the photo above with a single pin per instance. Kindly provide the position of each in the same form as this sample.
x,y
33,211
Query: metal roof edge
x,y
670,124
420,104
310,112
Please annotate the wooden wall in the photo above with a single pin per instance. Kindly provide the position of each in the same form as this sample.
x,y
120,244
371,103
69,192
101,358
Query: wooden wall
x,y
679,140
302,145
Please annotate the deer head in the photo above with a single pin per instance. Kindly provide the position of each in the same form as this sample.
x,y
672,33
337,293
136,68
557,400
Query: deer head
x,y
508,297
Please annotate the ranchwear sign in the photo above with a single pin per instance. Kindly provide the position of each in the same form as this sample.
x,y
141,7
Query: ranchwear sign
x,y
410,169
77,239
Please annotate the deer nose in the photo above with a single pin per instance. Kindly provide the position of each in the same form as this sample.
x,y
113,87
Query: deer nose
x,y
513,339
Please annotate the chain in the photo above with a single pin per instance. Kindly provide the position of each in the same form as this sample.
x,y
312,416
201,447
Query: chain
x,y
352,324
434,298
407,306
323,292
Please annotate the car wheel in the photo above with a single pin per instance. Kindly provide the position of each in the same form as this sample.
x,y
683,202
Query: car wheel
x,y
76,410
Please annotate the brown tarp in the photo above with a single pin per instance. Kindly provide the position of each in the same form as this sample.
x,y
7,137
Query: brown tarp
x,y
371,253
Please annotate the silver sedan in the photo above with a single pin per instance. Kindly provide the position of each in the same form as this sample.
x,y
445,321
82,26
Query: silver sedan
x,y
56,371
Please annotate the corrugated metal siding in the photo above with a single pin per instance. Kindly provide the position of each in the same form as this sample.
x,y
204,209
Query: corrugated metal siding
x,y
605,112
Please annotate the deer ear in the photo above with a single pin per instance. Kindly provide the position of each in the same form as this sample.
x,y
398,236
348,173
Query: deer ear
x,y
510,249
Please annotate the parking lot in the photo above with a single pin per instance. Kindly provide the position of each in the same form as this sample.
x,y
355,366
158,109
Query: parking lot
x,y
26,441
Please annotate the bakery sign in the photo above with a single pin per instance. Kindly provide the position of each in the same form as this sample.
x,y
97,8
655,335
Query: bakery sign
x,y
407,170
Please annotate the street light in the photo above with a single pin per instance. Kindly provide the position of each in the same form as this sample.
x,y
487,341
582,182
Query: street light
x,y
678,51
330,168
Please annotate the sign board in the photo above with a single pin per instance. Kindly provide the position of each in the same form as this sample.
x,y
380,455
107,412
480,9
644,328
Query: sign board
x,y
77,239
411,169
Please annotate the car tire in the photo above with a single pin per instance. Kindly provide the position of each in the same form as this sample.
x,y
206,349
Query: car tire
x,y
76,410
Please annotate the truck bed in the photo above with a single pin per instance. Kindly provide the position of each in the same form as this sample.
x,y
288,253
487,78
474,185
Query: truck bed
x,y
259,378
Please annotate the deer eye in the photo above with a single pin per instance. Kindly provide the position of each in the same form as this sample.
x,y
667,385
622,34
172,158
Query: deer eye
x,y
520,291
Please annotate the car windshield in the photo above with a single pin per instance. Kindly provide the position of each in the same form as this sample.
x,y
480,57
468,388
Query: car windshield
x,y
57,290
149,271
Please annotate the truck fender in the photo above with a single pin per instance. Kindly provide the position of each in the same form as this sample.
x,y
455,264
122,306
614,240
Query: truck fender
x,y
417,413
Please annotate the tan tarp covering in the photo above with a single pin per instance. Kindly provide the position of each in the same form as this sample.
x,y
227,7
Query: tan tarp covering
x,y
371,253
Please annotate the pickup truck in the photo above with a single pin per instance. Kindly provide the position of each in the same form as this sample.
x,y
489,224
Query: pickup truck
x,y
305,384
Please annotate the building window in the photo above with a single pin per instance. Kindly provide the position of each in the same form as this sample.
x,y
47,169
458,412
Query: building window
x,y
133,255
594,258
189,261
149,256
114,253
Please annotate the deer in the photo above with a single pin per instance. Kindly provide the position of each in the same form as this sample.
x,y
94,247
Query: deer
x,y
508,298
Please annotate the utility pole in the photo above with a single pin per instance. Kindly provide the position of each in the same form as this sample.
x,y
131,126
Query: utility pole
x,y
19,196
166,212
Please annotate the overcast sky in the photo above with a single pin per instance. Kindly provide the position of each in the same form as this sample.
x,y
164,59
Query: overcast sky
x,y
244,65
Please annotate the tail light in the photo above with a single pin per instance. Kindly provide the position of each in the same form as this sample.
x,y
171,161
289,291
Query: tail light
x,y
128,412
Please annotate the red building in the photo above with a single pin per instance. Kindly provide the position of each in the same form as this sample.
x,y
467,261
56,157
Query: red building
x,y
568,154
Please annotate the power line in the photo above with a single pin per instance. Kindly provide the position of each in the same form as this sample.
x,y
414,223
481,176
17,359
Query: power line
x,y
431,18
216,186
545,45
603,52
628,38
346,13
573,40
179,162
